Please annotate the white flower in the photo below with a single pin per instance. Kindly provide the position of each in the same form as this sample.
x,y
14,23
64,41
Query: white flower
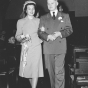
x,y
62,21
60,18
42,29
22,36
27,36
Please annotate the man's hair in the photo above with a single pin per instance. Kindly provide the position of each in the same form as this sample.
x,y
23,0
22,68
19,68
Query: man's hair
x,y
56,0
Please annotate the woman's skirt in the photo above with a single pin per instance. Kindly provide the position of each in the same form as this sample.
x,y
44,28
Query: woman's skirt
x,y
31,66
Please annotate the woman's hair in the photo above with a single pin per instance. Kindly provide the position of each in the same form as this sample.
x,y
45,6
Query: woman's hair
x,y
24,13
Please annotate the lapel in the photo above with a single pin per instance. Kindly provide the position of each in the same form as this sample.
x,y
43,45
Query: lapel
x,y
51,24
56,20
59,14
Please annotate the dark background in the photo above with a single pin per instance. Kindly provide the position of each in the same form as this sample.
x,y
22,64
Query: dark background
x,y
10,11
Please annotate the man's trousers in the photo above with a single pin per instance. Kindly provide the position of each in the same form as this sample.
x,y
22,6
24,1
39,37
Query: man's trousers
x,y
55,65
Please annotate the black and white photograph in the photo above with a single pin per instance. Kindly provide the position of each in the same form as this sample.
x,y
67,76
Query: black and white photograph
x,y
43,43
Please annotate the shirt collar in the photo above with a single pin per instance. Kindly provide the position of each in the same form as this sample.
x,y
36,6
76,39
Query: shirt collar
x,y
56,11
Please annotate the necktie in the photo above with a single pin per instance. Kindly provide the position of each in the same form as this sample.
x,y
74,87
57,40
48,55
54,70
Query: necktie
x,y
54,15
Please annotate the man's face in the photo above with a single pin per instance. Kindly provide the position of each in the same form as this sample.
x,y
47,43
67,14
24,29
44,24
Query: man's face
x,y
52,4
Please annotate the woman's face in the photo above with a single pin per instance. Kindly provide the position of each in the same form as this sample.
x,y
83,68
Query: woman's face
x,y
30,10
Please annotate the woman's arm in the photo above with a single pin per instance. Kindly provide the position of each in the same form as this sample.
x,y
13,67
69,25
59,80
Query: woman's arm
x,y
19,30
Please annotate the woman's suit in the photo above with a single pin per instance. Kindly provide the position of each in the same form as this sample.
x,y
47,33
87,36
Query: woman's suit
x,y
31,53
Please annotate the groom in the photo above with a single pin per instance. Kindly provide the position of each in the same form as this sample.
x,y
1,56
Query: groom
x,y
53,29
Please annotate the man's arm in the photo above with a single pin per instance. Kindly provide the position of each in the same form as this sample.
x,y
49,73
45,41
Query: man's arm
x,y
68,28
42,33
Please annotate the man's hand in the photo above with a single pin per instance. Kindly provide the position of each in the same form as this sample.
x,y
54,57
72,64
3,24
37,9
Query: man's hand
x,y
51,37
57,34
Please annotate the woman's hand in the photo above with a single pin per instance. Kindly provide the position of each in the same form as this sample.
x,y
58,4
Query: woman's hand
x,y
19,38
25,38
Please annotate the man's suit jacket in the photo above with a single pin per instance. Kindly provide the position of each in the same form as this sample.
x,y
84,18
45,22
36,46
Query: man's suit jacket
x,y
60,23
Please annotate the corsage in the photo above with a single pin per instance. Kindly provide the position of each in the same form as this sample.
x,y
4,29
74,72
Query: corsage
x,y
42,29
60,18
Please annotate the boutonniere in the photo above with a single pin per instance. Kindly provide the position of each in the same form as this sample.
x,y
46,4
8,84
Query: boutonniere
x,y
42,29
60,18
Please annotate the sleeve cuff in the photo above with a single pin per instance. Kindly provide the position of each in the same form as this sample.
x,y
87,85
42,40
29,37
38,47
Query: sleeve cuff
x,y
60,34
48,38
